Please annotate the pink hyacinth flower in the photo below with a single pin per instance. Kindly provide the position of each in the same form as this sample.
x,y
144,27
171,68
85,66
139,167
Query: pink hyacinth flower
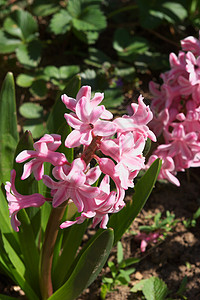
x,y
72,183
98,208
107,166
181,143
193,68
85,91
87,123
168,170
127,152
137,122
44,152
16,201
192,44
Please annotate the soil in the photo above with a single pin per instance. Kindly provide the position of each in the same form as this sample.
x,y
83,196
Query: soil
x,y
171,259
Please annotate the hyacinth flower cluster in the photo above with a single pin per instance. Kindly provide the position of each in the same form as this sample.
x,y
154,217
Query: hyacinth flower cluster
x,y
112,150
176,109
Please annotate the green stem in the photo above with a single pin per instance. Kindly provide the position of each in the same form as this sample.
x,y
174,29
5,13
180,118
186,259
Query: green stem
x,y
122,9
51,233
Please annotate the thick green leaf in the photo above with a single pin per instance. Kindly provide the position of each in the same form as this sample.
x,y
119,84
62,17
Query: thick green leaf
x,y
29,251
21,24
8,127
56,116
31,110
8,255
29,54
24,80
87,268
74,236
123,219
60,23
7,43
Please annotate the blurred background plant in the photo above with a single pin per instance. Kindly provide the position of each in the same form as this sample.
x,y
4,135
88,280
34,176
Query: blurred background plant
x,y
116,46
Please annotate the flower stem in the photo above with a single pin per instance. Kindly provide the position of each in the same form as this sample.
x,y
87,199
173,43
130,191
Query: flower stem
x,y
90,150
51,233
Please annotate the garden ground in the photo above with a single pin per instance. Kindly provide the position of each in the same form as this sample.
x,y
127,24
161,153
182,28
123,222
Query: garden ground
x,y
177,256
171,259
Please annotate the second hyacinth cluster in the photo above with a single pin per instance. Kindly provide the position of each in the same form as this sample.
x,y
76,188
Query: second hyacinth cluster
x,y
176,108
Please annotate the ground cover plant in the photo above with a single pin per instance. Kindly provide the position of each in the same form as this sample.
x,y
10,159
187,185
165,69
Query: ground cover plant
x,y
117,48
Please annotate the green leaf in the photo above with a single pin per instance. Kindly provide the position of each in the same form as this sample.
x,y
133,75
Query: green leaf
x,y
4,297
16,268
97,58
42,8
148,16
31,110
127,46
128,262
61,22
113,98
68,71
29,54
38,88
173,11
91,18
119,252
21,24
24,80
182,287
87,268
56,117
74,236
7,43
29,251
196,214
35,126
121,221
52,72
8,127
152,288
